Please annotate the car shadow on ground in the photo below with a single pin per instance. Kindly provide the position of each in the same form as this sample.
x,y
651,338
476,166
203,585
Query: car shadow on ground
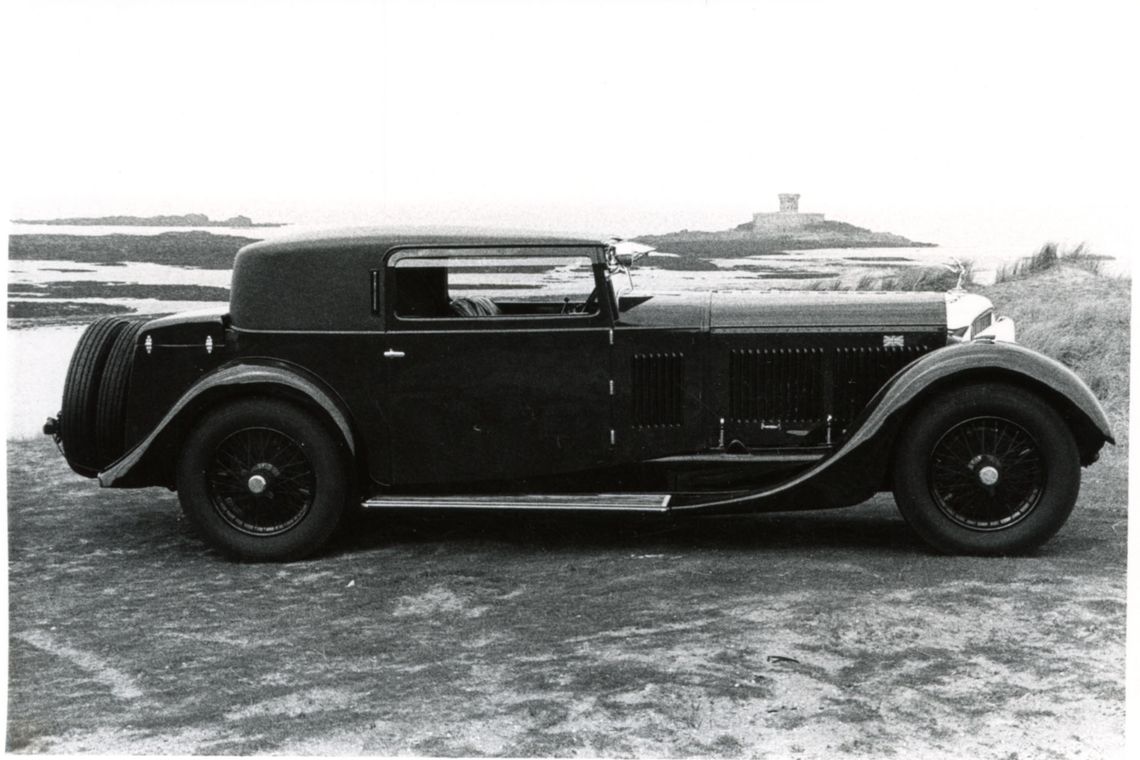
x,y
868,527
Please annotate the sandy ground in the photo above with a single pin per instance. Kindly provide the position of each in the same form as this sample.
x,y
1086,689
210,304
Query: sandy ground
x,y
814,635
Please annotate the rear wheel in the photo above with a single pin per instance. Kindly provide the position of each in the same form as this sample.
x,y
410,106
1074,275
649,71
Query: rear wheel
x,y
987,469
263,480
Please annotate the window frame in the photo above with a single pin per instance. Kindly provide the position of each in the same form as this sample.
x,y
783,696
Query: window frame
x,y
596,255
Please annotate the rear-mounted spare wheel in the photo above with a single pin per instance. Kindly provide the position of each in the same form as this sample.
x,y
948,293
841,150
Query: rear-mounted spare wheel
x,y
77,422
110,408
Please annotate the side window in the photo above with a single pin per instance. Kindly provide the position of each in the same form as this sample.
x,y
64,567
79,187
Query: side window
x,y
492,283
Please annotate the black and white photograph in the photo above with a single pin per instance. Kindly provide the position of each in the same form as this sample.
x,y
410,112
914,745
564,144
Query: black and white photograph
x,y
715,379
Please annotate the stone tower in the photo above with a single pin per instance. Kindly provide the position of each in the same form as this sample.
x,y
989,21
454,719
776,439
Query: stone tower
x,y
790,203
788,218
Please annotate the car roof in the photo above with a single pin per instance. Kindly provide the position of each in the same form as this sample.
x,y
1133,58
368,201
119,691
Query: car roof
x,y
390,237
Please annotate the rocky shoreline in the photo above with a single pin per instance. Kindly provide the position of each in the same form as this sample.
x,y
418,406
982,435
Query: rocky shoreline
x,y
203,250
199,249
167,220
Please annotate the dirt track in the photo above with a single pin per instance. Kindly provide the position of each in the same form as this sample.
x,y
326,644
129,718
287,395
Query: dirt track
x,y
816,635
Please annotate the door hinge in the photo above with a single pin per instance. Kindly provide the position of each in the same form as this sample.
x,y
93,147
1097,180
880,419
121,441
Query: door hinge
x,y
611,387
611,336
613,437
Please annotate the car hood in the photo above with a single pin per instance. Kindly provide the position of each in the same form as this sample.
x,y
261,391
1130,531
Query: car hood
x,y
824,309
774,309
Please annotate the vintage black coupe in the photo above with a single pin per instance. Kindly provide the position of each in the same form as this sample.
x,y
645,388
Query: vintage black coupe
x,y
400,369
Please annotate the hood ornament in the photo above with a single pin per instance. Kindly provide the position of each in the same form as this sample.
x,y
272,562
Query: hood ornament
x,y
624,252
959,268
621,253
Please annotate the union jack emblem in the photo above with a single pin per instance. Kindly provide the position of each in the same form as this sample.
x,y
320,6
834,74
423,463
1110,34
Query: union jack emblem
x,y
892,341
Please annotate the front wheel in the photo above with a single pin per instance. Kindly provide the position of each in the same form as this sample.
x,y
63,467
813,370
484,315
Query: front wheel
x,y
987,469
263,480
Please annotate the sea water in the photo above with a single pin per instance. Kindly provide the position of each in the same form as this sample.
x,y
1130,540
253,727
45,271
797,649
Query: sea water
x,y
38,356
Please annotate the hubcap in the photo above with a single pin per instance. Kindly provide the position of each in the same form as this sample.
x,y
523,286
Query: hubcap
x,y
257,484
986,473
261,481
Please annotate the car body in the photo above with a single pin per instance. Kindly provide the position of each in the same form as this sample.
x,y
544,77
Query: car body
x,y
412,369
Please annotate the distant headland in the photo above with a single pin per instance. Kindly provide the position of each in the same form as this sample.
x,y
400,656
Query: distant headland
x,y
772,232
179,220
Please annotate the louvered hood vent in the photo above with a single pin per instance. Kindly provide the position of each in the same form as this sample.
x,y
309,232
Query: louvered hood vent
x,y
658,389
777,384
803,386
860,372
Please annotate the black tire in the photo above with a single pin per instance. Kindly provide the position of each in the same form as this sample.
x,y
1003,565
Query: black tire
x,y
987,469
111,407
80,396
304,483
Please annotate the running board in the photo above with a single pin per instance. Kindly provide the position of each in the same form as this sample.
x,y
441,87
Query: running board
x,y
588,502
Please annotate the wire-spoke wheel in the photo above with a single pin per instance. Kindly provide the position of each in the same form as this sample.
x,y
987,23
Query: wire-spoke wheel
x,y
263,480
986,473
986,469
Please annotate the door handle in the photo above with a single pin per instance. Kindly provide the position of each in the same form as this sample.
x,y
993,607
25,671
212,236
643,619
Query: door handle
x,y
392,353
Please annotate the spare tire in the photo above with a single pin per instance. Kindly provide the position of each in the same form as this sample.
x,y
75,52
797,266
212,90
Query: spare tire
x,y
111,405
81,393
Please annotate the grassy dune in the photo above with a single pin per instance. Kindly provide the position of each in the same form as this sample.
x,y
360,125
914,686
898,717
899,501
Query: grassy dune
x,y
1079,318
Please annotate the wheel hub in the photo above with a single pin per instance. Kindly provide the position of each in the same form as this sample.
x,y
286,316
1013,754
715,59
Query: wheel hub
x,y
257,484
988,475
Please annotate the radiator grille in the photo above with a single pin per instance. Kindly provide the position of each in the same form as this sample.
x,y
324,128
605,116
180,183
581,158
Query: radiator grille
x,y
658,386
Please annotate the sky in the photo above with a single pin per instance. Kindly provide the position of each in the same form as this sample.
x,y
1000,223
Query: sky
x,y
1010,123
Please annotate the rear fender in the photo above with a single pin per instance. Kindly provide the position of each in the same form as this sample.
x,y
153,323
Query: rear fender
x,y
135,467
857,469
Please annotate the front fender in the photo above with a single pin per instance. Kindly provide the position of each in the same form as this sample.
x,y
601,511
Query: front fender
x,y
120,471
984,359
854,471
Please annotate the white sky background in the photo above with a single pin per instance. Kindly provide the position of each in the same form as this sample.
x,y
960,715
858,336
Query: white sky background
x,y
993,121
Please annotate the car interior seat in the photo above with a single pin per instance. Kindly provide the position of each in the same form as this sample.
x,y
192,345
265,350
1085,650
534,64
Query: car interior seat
x,y
475,306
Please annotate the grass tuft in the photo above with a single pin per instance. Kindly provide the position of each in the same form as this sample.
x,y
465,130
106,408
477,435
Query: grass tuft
x,y
1047,257
914,278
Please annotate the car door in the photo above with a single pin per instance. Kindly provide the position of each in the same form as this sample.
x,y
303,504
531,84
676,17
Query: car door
x,y
516,389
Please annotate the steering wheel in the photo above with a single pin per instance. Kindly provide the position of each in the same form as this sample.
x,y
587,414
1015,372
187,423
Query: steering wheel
x,y
590,304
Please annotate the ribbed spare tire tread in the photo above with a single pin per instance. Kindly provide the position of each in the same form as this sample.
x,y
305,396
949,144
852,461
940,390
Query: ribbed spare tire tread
x,y
80,394
111,407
